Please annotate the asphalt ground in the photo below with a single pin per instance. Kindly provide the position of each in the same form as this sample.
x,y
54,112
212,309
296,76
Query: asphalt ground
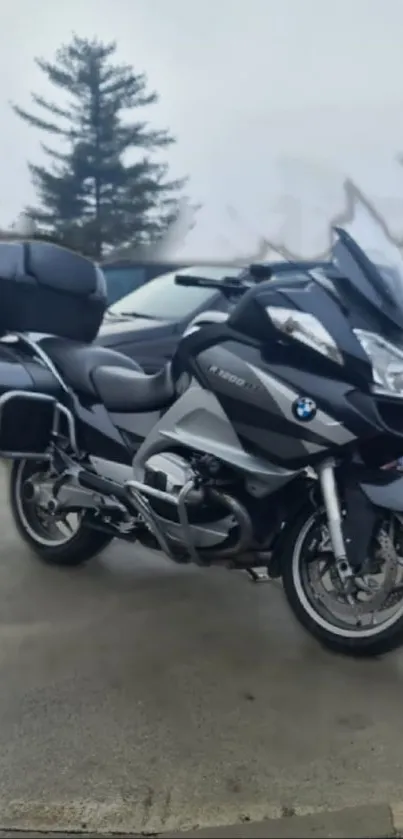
x,y
142,697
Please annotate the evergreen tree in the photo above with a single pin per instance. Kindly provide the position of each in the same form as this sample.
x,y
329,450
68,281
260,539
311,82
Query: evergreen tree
x,y
102,188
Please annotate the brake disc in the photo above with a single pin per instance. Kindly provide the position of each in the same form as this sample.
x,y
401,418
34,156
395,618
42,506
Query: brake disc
x,y
390,569
383,596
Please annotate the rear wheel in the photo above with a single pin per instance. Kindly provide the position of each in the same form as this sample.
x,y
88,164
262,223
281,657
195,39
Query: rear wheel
x,y
367,622
58,540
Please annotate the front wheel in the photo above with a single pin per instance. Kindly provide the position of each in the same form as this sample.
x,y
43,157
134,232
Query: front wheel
x,y
367,622
62,540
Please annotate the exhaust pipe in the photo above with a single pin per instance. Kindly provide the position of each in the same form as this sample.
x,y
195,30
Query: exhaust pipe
x,y
103,486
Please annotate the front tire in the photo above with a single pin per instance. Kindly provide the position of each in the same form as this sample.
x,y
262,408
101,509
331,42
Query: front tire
x,y
54,548
373,640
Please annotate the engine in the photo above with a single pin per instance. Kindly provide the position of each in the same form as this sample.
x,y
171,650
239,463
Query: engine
x,y
202,510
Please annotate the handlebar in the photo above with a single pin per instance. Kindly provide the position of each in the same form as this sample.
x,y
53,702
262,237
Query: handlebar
x,y
228,285
255,274
187,279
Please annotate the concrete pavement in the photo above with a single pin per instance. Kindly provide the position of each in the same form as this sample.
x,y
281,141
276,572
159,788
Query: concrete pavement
x,y
139,696
373,822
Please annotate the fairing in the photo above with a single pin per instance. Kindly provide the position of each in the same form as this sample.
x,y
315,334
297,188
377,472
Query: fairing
x,y
257,374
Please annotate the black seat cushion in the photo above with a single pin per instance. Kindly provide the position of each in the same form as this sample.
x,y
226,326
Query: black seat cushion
x,y
76,362
128,391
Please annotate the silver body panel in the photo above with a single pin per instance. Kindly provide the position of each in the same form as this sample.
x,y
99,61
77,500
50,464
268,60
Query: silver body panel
x,y
198,421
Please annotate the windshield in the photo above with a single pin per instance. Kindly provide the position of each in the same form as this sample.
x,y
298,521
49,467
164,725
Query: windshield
x,y
370,235
163,299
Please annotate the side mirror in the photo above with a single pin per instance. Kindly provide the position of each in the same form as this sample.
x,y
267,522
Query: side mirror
x,y
260,271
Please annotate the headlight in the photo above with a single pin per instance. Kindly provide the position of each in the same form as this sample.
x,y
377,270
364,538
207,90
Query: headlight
x,y
386,359
305,328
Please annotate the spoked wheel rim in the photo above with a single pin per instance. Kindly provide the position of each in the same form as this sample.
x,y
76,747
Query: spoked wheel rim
x,y
353,622
45,529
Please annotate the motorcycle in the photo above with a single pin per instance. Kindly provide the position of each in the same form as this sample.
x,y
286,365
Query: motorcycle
x,y
262,443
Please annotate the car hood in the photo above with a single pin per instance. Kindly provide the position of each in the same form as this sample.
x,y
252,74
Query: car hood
x,y
116,331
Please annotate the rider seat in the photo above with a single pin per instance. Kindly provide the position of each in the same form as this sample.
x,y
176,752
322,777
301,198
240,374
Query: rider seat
x,y
107,376
129,391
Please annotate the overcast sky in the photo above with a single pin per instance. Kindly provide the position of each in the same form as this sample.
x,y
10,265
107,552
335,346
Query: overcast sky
x,y
249,88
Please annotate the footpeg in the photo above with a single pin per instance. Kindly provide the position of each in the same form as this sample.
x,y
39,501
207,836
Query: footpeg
x,y
259,575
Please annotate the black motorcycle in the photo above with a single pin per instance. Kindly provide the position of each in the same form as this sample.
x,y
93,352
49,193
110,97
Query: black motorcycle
x,y
262,444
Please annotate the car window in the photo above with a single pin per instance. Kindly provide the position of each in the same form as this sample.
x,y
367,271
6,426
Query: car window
x,y
121,281
162,299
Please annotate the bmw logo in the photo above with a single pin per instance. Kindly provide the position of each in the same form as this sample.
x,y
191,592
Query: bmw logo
x,y
304,409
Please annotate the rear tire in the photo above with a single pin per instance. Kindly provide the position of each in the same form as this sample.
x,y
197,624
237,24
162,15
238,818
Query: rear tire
x,y
83,544
378,643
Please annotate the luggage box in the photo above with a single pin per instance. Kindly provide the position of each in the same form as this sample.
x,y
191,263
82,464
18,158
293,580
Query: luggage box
x,y
49,289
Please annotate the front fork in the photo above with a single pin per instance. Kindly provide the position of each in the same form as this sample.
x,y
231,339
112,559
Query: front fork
x,y
330,495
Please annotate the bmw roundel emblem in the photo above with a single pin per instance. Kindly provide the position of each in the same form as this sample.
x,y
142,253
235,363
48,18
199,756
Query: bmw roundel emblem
x,y
304,409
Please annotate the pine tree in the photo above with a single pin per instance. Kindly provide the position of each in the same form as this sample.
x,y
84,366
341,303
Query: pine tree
x,y
102,188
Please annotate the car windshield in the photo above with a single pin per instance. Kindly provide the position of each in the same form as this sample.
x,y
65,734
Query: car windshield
x,y
163,299
371,236
120,281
